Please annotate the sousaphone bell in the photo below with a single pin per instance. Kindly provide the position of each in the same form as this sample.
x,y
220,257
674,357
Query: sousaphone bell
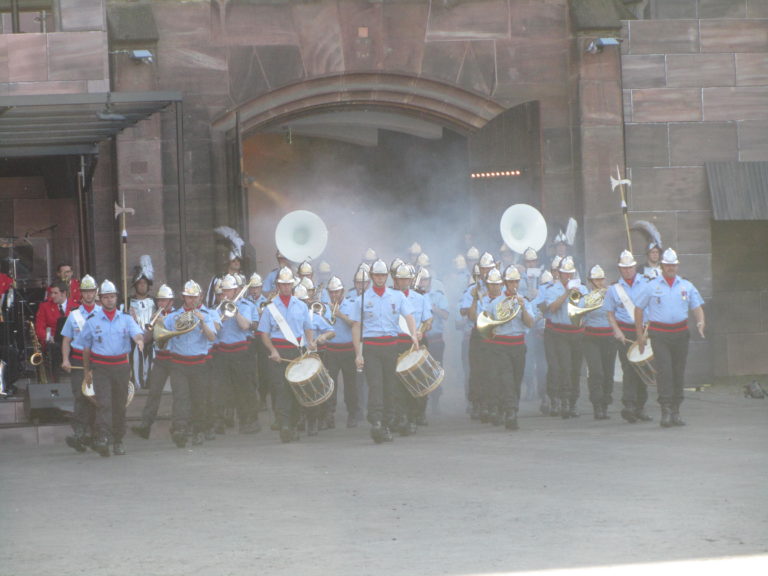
x,y
301,235
523,227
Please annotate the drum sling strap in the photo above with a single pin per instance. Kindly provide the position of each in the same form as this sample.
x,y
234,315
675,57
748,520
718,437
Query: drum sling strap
x,y
624,297
282,324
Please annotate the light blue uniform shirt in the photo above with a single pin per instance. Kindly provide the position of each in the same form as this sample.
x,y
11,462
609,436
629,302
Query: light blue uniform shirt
x,y
296,315
382,313
343,331
107,337
597,318
193,343
420,304
230,332
320,325
669,304
614,304
437,301
516,326
72,329
553,293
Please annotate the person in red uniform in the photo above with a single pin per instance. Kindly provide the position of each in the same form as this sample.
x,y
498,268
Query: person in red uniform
x,y
65,274
50,318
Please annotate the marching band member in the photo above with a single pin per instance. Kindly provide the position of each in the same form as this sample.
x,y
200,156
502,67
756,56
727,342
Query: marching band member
x,y
72,357
438,304
551,377
141,308
409,410
536,338
106,339
414,251
506,345
472,257
49,320
161,365
361,282
233,362
378,333
340,352
535,365
619,305
305,271
653,262
473,302
667,300
599,351
284,325
270,286
188,353
65,274
257,350
369,257
566,338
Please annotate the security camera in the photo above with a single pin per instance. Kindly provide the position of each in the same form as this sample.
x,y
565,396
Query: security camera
x,y
142,56
596,46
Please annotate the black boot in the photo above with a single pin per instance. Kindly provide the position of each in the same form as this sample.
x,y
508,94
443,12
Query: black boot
x,y
76,442
666,416
554,408
544,407
572,412
510,422
118,449
628,413
311,426
675,416
597,409
642,416
604,412
141,431
565,412
101,445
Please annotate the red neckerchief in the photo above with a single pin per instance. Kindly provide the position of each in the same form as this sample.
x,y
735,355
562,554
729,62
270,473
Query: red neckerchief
x,y
188,309
285,300
91,308
631,280
406,293
110,313
379,290
670,281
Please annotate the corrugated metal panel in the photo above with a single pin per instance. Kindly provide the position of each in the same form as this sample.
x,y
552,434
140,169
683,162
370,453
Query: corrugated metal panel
x,y
739,190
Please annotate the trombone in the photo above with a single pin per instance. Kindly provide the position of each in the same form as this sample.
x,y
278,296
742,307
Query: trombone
x,y
230,306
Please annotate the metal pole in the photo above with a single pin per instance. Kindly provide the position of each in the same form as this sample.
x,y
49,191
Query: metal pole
x,y
181,193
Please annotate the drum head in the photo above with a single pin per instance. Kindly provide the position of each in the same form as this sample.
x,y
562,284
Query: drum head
x,y
409,360
634,355
302,369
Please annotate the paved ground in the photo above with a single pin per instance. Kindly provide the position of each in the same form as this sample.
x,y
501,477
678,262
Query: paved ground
x,y
459,498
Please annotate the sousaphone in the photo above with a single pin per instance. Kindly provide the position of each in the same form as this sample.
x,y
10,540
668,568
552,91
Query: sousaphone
x,y
523,227
301,235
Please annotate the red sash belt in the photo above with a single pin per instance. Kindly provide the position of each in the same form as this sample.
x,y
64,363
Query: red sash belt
x,y
109,360
162,354
230,347
339,347
188,360
518,340
599,331
382,340
282,343
564,328
403,338
626,327
662,327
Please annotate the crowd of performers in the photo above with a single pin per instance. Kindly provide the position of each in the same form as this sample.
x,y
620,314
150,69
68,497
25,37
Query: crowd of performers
x,y
225,350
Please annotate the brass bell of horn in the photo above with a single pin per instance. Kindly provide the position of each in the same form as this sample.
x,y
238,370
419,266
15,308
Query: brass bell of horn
x,y
523,227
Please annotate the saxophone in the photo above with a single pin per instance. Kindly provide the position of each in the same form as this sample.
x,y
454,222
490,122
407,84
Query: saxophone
x,y
36,359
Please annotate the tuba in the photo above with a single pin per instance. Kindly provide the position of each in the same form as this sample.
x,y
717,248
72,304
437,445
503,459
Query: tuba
x,y
185,322
523,227
301,235
506,311
592,301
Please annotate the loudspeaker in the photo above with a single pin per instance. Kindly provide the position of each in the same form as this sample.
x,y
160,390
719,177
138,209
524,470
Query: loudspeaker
x,y
48,402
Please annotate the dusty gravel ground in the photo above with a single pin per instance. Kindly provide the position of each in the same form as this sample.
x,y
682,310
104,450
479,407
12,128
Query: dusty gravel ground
x,y
458,498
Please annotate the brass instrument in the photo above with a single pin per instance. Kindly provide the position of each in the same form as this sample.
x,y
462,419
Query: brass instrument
x,y
230,306
592,301
334,309
36,359
506,311
318,307
151,325
185,322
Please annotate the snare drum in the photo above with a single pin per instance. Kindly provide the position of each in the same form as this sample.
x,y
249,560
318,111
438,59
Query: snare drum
x,y
419,372
643,363
309,380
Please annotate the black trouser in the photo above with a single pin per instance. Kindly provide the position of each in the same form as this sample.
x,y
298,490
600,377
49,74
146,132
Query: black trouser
x,y
670,354
342,362
84,414
506,361
158,374
567,354
634,392
380,374
535,364
600,354
477,371
288,408
261,373
189,383
110,385
235,385
551,375
52,360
